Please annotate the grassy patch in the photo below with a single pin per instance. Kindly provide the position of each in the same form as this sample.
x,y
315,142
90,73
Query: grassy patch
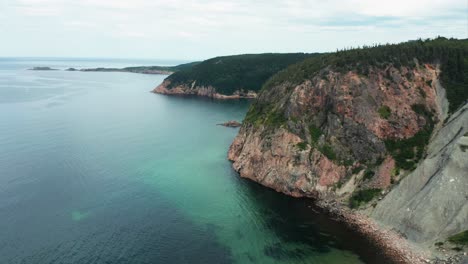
x,y
385,112
315,133
407,152
328,151
460,238
356,170
302,145
265,114
275,119
362,197
368,175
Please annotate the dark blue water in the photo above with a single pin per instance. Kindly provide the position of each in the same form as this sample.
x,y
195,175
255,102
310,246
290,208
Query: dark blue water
x,y
96,169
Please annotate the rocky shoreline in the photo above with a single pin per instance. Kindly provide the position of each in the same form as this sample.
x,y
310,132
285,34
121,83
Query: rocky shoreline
x,y
210,92
393,245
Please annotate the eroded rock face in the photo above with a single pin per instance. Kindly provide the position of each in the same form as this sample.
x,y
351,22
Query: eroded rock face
x,y
431,203
204,91
276,162
332,125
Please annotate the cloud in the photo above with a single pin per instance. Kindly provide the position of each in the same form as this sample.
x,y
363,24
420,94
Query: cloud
x,y
202,28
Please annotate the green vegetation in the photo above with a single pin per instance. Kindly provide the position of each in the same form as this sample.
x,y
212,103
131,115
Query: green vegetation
x,y
362,197
302,145
439,244
460,238
385,112
368,175
328,151
275,119
315,133
452,54
230,73
356,170
407,152
264,114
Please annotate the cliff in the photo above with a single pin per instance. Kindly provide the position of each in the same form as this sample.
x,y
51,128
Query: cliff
x,y
368,129
204,91
228,77
321,136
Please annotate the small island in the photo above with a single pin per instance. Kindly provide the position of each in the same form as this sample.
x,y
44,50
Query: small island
x,y
42,69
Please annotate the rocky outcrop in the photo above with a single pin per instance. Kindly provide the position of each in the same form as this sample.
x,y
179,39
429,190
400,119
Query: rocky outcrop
x,y
231,123
431,203
320,137
278,163
204,91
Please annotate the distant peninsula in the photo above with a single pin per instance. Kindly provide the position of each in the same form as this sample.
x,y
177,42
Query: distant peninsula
x,y
164,70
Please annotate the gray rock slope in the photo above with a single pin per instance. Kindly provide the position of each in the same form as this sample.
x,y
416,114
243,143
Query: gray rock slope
x,y
431,203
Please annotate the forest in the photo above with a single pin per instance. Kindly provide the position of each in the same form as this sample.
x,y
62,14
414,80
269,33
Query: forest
x,y
230,73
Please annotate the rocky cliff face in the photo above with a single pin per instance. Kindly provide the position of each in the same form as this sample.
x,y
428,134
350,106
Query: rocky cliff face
x,y
343,136
204,91
431,203
324,137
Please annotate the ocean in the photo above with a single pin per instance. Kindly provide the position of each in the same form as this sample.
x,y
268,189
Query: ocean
x,y
96,169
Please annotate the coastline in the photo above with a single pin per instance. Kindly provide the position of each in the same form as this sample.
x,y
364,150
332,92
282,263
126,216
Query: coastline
x,y
202,91
393,245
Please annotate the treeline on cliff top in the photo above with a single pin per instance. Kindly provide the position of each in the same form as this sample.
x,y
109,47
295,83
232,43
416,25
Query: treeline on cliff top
x,y
451,54
230,73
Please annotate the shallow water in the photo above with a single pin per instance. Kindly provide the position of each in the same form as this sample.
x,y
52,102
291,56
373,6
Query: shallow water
x,y
95,169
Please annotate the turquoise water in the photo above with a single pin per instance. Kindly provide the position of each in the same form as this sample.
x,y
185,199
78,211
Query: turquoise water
x,y
95,169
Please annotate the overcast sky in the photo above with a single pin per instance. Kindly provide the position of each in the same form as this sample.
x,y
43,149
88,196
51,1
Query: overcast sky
x,y
199,29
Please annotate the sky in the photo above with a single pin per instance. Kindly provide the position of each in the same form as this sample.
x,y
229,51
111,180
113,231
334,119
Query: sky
x,y
200,29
